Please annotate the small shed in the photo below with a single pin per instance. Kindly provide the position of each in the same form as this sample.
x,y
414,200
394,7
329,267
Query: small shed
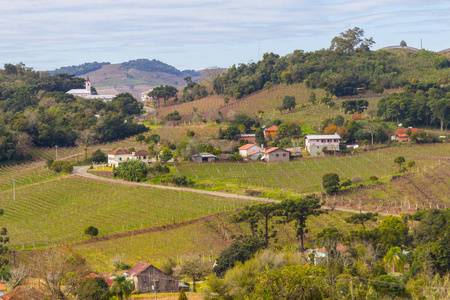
x,y
147,278
276,154
249,137
204,157
255,154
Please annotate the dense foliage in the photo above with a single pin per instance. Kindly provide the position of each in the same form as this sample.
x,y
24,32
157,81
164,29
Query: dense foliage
x,y
193,91
36,111
341,70
131,170
420,104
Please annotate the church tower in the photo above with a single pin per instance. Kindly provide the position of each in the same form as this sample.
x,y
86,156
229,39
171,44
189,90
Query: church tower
x,y
88,85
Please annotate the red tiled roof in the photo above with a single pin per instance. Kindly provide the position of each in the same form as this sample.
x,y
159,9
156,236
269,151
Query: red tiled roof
x,y
272,128
273,149
141,153
253,152
245,147
119,151
340,248
402,135
403,130
138,269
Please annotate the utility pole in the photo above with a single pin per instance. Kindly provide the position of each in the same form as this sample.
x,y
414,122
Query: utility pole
x,y
56,146
14,189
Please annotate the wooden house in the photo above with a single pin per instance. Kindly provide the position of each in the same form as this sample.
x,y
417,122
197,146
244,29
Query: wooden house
x,y
147,278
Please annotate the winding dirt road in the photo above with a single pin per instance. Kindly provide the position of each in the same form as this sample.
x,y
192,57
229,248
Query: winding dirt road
x,y
82,172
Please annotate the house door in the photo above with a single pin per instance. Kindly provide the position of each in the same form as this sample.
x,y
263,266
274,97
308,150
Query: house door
x,y
145,285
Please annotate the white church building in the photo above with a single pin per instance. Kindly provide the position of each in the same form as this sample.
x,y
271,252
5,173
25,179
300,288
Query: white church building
x,y
87,92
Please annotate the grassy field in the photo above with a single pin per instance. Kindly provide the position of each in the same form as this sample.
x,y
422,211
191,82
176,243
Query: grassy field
x,y
206,238
305,176
60,209
24,174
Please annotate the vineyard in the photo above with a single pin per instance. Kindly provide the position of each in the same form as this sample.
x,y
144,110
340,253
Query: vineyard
x,y
305,176
24,174
419,190
59,210
207,238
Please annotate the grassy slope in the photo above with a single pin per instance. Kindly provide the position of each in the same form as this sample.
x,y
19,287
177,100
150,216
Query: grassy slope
x,y
305,176
60,209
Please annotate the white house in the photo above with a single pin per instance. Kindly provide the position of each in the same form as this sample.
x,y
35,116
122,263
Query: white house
x,y
315,144
244,150
87,93
119,155
276,154
145,96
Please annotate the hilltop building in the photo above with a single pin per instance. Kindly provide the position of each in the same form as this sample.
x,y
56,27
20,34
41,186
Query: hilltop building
x,y
87,93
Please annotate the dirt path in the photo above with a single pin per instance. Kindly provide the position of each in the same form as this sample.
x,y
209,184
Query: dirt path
x,y
82,171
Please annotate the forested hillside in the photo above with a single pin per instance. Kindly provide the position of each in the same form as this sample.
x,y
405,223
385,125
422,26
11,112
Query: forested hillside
x,y
80,69
347,67
36,111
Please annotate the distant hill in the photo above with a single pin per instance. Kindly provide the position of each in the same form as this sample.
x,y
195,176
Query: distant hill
x,y
80,69
134,76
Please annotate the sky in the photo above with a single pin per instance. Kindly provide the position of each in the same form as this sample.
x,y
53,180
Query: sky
x,y
197,34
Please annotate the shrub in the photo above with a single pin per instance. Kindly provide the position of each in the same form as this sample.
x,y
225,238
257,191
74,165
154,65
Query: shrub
x,y
236,157
330,182
346,183
59,166
181,180
91,230
374,178
356,179
132,170
98,156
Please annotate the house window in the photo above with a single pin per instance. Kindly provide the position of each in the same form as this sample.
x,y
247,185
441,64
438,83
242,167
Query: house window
x,y
144,157
284,154
277,155
119,159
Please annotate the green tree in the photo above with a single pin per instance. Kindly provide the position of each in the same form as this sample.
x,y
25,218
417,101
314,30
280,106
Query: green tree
x,y
389,286
190,133
440,109
91,230
371,128
392,231
292,283
329,238
289,102
98,156
243,119
330,182
140,138
399,160
125,104
395,259
93,289
403,44
121,287
259,137
231,133
4,239
131,170
167,266
182,295
165,92
289,129
298,211
351,40
195,268
361,218
166,155
238,251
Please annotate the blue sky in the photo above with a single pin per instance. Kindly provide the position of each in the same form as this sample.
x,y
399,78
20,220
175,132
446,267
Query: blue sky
x,y
197,34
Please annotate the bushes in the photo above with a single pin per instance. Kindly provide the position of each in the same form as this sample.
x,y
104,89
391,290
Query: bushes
x,y
59,166
131,170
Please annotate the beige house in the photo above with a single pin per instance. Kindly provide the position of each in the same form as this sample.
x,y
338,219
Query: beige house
x,y
244,150
276,154
119,155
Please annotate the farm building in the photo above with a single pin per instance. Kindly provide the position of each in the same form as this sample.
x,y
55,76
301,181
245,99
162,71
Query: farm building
x,y
401,134
146,276
276,154
119,155
203,157
246,149
255,154
272,130
250,137
318,144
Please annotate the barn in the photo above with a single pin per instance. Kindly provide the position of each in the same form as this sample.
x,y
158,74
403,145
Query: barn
x,y
146,277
